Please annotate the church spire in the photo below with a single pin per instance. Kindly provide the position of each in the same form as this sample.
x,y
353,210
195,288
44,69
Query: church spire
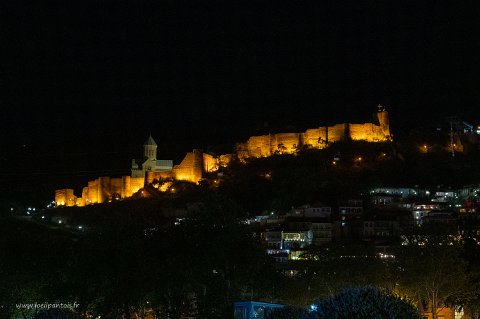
x,y
150,141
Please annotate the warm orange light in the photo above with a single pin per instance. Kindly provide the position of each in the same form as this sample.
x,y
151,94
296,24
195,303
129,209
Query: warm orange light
x,y
165,186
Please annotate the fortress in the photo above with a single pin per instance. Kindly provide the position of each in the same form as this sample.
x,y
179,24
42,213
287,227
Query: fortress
x,y
196,164
280,143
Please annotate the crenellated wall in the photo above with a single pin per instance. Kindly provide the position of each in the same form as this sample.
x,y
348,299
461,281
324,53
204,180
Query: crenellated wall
x,y
267,145
100,190
196,163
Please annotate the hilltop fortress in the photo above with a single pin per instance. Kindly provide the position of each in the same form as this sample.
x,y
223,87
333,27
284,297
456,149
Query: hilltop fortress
x,y
197,163
267,145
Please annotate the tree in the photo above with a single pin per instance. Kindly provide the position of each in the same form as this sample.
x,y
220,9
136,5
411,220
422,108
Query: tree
x,y
34,262
353,303
335,267
226,260
363,303
472,256
281,149
434,274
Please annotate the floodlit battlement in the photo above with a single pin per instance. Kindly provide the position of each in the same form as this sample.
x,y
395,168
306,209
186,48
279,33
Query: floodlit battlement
x,y
288,143
196,164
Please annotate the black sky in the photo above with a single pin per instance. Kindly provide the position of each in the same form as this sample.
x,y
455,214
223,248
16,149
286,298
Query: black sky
x,y
82,78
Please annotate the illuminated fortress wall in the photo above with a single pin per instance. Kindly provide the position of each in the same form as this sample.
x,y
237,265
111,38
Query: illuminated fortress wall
x,y
100,190
336,133
65,197
151,176
196,163
190,169
210,163
107,188
267,145
287,142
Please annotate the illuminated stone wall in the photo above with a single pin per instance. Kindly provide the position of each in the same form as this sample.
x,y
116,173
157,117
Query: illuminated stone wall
x,y
258,146
151,176
365,132
135,185
210,163
384,122
196,163
313,137
107,188
267,145
92,193
335,133
287,142
191,167
100,190
184,170
65,197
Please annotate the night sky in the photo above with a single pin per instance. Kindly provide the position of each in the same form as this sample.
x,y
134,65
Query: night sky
x,y
84,84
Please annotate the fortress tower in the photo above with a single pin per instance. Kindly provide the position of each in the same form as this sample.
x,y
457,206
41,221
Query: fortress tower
x,y
382,115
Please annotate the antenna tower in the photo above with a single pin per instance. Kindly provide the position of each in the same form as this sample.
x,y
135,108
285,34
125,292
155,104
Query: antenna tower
x,y
452,119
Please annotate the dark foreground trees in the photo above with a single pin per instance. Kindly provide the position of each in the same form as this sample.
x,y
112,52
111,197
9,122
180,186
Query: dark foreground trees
x,y
195,266
353,303
363,303
435,274
201,264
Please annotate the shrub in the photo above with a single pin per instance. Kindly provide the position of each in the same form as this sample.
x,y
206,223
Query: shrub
x,y
363,303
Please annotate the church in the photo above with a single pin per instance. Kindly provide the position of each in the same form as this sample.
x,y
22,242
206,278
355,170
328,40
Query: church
x,y
149,163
